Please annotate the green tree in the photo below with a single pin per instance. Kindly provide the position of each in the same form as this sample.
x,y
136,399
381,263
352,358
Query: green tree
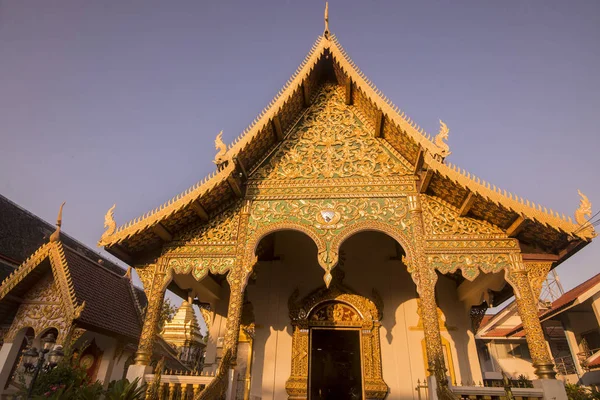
x,y
167,313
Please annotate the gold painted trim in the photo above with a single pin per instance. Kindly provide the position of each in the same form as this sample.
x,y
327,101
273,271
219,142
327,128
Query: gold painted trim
x,y
362,355
356,312
54,252
435,152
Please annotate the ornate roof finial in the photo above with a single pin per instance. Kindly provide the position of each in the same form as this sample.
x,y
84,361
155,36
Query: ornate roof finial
x,y
326,31
585,209
56,234
221,156
109,224
440,140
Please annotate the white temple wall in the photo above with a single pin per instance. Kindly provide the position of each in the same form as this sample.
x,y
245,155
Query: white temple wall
x,y
119,368
217,330
370,261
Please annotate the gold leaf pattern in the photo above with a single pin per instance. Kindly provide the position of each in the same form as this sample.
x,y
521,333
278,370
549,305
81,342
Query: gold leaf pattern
x,y
330,142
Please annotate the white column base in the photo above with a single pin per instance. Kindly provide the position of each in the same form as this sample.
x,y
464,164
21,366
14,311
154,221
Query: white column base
x,y
431,388
231,385
8,357
554,389
138,371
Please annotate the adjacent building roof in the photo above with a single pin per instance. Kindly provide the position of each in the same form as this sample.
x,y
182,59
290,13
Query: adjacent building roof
x,y
112,303
96,292
327,61
573,297
22,233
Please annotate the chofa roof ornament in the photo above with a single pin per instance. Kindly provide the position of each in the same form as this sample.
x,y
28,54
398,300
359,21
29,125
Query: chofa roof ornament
x,y
56,234
109,224
441,137
584,210
221,157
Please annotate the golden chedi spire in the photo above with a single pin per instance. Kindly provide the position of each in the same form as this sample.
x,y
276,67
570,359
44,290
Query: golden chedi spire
x,y
56,234
183,333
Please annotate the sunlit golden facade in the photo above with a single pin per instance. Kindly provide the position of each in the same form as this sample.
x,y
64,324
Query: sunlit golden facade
x,y
331,158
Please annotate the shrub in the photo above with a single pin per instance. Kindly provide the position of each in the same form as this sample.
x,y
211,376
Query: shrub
x,y
125,390
66,381
578,392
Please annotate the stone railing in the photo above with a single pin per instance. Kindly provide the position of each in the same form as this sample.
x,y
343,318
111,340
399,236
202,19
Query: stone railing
x,y
180,386
484,392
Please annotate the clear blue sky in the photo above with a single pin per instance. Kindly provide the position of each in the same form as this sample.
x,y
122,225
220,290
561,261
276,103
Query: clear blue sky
x,y
119,101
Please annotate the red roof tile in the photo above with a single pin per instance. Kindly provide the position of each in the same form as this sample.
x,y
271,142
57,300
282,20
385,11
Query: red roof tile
x,y
594,361
563,301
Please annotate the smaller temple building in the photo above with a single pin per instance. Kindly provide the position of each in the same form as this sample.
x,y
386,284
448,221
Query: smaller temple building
x,y
63,288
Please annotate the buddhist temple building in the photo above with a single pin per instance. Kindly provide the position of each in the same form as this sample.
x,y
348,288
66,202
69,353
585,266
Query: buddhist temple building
x,y
341,256
55,284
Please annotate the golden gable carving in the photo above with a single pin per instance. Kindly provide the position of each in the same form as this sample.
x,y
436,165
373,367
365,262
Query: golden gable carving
x,y
331,141
441,218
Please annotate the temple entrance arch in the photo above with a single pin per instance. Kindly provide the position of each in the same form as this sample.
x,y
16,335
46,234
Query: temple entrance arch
x,y
336,308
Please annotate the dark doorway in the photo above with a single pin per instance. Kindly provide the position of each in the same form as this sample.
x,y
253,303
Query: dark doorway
x,y
335,372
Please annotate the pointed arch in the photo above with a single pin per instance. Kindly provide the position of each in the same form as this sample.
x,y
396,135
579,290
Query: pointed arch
x,y
375,226
255,238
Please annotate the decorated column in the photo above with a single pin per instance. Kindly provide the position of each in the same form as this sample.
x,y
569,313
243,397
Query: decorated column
x,y
153,279
425,279
527,305
237,279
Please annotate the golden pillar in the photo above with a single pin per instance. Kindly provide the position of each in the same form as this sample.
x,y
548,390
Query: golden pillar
x,y
527,306
425,279
237,279
172,389
153,279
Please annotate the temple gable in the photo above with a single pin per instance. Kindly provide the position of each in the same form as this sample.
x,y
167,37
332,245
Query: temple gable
x,y
332,140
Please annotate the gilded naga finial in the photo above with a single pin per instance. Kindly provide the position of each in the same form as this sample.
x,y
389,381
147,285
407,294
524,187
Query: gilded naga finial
x,y
326,31
109,224
585,209
221,156
440,139
56,234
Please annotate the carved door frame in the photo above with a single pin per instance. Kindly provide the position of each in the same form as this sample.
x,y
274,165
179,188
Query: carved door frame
x,y
336,308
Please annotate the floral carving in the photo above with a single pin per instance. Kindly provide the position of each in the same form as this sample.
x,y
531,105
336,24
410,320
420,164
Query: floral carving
x,y
331,141
336,313
337,306
469,264
221,229
41,309
200,266
442,219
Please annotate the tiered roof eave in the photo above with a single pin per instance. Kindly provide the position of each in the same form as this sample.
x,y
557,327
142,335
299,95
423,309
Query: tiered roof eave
x,y
116,235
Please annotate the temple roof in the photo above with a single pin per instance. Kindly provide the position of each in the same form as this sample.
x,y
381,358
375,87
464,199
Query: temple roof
x,y
98,294
327,61
22,233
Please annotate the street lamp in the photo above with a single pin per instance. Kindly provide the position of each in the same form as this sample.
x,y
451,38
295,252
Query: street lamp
x,y
34,361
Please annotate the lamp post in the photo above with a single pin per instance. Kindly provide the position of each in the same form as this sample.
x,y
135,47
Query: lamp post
x,y
35,361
